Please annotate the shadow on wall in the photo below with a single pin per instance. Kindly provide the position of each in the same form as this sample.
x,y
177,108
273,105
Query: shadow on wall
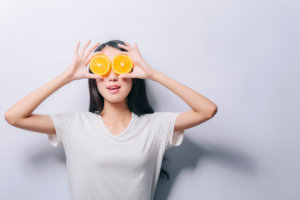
x,y
189,156
186,156
42,158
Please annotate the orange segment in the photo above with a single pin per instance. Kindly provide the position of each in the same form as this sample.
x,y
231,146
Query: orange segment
x,y
122,64
100,64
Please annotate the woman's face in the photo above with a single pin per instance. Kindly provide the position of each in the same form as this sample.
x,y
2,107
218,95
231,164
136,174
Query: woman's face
x,y
113,79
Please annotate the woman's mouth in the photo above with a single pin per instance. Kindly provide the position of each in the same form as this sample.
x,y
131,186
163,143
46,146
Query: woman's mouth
x,y
114,90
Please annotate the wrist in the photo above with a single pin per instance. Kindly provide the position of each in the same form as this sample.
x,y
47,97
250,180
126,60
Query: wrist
x,y
149,71
67,76
153,75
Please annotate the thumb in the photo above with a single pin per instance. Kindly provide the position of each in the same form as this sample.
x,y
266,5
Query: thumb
x,y
91,56
125,76
94,76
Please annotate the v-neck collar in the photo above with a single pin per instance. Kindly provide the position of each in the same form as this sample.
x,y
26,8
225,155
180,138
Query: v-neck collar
x,y
120,134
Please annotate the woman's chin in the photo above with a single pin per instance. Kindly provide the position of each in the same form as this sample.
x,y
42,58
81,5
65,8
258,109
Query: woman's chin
x,y
115,99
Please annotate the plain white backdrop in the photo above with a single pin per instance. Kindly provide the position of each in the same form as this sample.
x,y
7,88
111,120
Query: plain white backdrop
x,y
241,54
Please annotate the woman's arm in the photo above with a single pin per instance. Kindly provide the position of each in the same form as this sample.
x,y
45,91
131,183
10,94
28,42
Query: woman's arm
x,y
202,109
20,114
199,103
24,107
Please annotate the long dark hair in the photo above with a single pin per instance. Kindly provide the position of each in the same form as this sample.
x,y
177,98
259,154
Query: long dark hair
x,y
137,101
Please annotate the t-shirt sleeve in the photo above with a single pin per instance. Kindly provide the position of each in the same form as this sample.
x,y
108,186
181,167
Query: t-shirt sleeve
x,y
62,123
166,122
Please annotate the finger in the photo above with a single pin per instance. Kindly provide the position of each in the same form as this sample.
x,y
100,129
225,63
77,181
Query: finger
x,y
125,52
127,43
125,76
135,45
85,46
91,56
94,54
123,46
77,47
93,48
94,76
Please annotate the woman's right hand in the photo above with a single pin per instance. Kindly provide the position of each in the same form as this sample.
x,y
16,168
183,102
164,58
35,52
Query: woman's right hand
x,y
78,66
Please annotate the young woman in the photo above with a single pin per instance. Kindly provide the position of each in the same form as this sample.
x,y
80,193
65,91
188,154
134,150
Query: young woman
x,y
114,150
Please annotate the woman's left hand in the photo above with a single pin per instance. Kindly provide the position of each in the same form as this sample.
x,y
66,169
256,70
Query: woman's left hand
x,y
140,68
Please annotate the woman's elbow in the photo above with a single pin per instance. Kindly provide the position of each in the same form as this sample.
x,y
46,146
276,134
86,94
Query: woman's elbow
x,y
9,119
213,112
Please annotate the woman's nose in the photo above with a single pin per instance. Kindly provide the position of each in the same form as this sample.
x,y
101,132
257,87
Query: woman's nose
x,y
112,75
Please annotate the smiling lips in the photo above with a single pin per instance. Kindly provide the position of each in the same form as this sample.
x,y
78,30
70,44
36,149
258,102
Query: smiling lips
x,y
113,88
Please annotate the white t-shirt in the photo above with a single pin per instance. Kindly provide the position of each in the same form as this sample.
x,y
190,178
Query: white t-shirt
x,y
103,166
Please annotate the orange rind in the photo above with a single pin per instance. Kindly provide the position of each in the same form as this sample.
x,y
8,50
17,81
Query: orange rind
x,y
122,64
100,64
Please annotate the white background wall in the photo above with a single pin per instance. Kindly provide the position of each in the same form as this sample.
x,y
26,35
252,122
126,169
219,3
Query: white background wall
x,y
241,54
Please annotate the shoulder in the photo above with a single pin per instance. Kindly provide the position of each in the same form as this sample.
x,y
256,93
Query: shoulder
x,y
69,116
158,117
163,115
85,115
146,116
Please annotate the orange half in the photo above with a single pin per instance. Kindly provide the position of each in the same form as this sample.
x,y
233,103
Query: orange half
x,y
122,64
100,64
